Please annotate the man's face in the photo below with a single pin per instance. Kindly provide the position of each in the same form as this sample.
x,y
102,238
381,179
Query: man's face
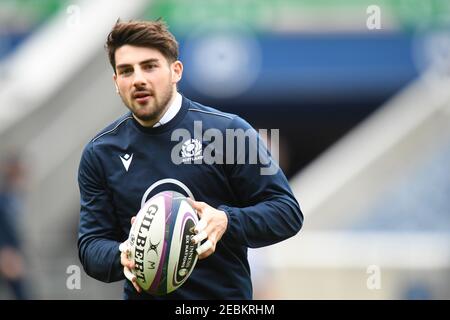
x,y
145,81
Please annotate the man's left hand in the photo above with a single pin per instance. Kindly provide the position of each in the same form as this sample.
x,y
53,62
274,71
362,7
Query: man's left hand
x,y
212,225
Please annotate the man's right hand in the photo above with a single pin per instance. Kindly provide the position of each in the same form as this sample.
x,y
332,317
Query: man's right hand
x,y
128,264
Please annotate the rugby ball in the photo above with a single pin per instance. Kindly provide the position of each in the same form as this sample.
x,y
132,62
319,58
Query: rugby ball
x,y
160,243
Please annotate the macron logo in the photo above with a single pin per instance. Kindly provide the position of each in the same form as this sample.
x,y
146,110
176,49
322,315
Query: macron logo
x,y
126,160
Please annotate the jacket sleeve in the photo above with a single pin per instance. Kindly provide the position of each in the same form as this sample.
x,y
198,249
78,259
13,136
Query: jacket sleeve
x,y
268,211
99,231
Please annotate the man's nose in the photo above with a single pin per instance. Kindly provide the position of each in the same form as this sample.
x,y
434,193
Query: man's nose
x,y
139,78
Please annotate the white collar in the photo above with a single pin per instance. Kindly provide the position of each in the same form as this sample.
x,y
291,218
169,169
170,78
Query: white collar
x,y
172,111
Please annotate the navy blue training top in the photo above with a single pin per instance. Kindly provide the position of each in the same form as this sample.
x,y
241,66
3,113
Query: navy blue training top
x,y
126,164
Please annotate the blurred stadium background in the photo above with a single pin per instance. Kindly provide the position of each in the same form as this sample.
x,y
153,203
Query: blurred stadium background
x,y
363,115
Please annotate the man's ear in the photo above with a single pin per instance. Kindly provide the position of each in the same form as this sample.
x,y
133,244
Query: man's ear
x,y
177,71
115,82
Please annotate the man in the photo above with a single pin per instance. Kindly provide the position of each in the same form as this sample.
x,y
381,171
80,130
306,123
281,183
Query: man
x,y
12,268
144,152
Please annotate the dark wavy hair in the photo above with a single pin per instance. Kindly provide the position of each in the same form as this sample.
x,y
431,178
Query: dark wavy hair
x,y
150,34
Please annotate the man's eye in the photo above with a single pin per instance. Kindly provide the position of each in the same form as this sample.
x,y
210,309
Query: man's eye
x,y
125,71
149,66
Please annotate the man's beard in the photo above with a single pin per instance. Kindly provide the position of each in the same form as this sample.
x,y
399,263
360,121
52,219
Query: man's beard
x,y
158,108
